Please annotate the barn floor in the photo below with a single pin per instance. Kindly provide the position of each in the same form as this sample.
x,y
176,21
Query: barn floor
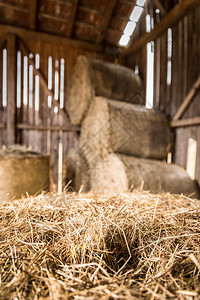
x,y
86,246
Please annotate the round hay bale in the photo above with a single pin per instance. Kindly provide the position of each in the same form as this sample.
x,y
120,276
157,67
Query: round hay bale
x,y
22,172
92,78
95,131
77,170
114,126
157,177
109,176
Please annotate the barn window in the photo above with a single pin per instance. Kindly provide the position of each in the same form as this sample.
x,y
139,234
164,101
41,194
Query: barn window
x,y
191,158
131,25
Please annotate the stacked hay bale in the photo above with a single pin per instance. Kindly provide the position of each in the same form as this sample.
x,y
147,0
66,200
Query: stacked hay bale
x,y
22,172
122,144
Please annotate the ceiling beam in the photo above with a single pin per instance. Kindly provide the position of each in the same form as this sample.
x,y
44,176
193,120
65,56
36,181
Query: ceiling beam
x,y
72,18
33,14
107,18
49,38
171,18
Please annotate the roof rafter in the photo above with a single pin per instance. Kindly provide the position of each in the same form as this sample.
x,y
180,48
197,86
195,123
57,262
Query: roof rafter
x,y
108,15
49,38
33,14
72,18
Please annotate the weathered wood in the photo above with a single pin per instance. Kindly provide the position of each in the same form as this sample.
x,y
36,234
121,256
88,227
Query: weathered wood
x,y
72,17
50,38
186,122
187,100
171,18
42,79
107,18
44,128
33,14
11,90
159,5
2,126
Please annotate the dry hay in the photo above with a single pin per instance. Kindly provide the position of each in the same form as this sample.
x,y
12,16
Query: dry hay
x,y
92,78
87,246
158,176
22,171
114,126
87,170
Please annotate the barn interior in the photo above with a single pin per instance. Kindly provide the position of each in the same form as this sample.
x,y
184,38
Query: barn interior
x,y
99,149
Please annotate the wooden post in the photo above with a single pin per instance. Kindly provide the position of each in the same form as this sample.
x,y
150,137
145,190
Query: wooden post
x,y
11,89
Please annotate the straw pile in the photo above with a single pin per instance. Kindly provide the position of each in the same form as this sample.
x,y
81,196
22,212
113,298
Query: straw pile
x,y
22,171
73,246
114,126
92,78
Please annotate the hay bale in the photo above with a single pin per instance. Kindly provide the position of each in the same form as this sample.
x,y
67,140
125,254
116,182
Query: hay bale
x,y
101,175
156,176
76,170
88,246
92,78
109,176
113,126
21,172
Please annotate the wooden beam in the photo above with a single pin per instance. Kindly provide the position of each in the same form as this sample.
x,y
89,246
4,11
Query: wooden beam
x,y
3,40
186,122
188,99
107,18
14,7
33,14
43,80
46,128
11,90
2,126
49,38
179,11
72,18
159,5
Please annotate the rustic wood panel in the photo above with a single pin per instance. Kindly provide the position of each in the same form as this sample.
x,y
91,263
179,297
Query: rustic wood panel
x,y
185,71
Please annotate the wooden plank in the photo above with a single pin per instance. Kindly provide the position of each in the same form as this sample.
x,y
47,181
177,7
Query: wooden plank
x,y
170,19
2,126
72,18
11,89
33,14
188,99
44,128
43,80
185,122
49,38
159,5
107,18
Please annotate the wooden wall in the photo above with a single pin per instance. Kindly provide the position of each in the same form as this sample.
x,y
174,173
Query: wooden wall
x,y
185,61
37,123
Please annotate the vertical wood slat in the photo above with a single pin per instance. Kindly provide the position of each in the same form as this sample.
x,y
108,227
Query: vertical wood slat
x,y
11,89
1,98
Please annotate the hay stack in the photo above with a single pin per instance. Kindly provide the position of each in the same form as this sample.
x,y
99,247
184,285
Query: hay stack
x,y
87,246
114,126
21,172
117,173
109,176
157,177
97,78
77,170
